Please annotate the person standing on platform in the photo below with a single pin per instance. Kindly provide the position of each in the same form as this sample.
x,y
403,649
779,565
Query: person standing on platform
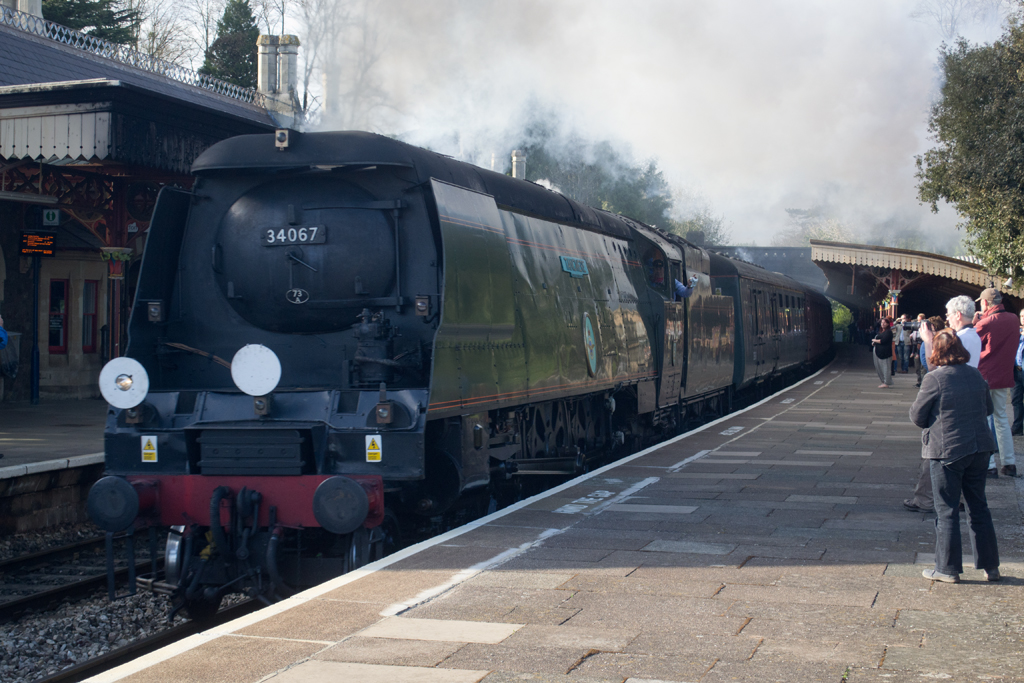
x,y
901,335
952,408
960,316
1017,400
882,353
920,354
923,500
1000,335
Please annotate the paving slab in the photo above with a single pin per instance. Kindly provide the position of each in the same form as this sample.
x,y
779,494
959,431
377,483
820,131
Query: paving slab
x,y
321,671
782,553
507,657
391,652
405,628
230,659
662,667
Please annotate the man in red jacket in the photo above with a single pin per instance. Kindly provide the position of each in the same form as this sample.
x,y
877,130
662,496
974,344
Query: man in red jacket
x,y
999,334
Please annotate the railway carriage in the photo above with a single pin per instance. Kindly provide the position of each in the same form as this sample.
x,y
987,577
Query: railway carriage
x,y
339,336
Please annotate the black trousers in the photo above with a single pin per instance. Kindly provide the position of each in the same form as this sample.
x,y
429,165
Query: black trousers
x,y
1017,399
949,480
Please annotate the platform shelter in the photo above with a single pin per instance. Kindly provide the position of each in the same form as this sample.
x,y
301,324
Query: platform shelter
x,y
905,281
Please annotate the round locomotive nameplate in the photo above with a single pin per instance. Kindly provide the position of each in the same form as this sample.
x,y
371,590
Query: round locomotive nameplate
x,y
590,344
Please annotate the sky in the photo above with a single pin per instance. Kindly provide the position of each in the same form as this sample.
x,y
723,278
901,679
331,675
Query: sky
x,y
753,107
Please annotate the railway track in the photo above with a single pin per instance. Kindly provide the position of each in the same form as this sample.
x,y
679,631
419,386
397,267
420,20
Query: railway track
x,y
117,657
43,579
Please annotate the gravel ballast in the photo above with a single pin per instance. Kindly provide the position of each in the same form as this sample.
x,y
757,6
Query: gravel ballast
x,y
40,645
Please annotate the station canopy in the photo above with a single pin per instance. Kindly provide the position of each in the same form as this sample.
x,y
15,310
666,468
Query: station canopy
x,y
861,275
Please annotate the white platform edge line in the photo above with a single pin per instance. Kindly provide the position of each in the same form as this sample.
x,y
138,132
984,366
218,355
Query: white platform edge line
x,y
13,471
170,651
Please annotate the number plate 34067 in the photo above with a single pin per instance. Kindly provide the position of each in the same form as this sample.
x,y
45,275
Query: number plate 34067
x,y
293,234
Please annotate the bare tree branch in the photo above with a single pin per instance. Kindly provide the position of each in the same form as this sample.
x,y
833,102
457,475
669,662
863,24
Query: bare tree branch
x,y
950,16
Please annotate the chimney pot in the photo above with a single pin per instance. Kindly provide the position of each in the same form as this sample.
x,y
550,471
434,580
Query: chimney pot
x,y
519,165
266,64
288,64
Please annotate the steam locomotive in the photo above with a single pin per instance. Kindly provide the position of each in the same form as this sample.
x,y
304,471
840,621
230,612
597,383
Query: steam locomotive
x,y
336,333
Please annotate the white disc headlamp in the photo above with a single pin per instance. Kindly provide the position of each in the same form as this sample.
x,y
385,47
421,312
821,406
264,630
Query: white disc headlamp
x,y
256,370
124,383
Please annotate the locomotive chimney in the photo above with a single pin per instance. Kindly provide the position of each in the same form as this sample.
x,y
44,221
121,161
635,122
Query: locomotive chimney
x,y
519,165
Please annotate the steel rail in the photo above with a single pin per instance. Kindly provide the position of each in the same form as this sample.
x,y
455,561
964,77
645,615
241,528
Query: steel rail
x,y
125,654
12,609
14,563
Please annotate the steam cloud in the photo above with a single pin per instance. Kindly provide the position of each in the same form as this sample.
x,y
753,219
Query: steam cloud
x,y
756,106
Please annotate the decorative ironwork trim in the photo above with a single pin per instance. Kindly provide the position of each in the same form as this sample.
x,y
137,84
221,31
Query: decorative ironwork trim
x,y
125,55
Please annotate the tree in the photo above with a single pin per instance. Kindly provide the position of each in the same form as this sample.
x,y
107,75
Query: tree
x,y
203,15
950,15
232,57
704,221
111,20
977,164
163,30
598,174
697,215
270,14
841,316
811,224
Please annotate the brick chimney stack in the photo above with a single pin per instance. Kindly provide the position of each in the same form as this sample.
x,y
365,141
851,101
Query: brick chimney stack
x,y
277,76
33,7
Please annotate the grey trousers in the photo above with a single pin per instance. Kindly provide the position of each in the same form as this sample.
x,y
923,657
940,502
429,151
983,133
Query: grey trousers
x,y
883,366
923,496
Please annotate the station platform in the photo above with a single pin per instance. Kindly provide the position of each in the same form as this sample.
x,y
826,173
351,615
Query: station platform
x,y
771,545
51,435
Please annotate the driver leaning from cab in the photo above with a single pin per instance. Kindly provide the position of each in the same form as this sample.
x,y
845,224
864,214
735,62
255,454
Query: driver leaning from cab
x,y
656,274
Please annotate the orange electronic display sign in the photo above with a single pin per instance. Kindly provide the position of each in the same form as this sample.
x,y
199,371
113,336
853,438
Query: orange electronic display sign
x,y
38,243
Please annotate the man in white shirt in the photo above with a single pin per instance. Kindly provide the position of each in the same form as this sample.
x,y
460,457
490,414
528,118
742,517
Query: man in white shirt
x,y
960,316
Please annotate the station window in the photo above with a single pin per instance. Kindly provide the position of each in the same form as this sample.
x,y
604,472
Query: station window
x,y
90,306
59,316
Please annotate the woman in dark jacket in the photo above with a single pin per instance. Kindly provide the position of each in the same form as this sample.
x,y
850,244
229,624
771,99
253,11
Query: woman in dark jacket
x,y
952,408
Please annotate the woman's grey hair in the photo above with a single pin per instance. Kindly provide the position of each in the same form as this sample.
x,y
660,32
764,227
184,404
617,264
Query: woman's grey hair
x,y
962,305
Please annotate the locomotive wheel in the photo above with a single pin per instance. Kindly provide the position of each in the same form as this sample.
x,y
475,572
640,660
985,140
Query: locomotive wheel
x,y
358,552
392,531
201,610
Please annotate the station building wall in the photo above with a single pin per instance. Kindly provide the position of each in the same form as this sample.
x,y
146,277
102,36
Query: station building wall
x,y
73,311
